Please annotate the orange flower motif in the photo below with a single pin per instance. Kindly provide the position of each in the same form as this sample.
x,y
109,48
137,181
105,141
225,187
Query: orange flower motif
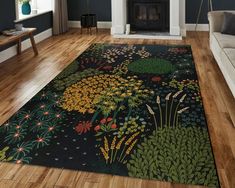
x,y
114,126
83,127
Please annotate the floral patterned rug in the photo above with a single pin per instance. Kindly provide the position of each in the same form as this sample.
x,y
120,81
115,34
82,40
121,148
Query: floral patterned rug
x,y
129,110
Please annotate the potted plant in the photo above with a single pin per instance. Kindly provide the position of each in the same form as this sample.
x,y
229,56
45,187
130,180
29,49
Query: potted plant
x,y
25,8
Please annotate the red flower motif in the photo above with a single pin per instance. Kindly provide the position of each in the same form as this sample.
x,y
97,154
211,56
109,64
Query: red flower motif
x,y
20,149
18,161
103,121
27,116
17,134
156,79
107,67
58,116
40,139
109,119
83,127
114,126
46,113
39,124
51,129
97,128
42,106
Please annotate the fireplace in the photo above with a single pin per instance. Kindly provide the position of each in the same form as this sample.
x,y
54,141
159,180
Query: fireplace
x,y
176,20
150,15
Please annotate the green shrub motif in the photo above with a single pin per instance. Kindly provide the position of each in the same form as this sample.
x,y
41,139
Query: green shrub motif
x,y
74,78
151,66
73,67
175,154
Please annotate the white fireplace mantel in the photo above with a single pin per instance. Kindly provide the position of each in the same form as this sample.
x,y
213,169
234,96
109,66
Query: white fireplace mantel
x,y
177,17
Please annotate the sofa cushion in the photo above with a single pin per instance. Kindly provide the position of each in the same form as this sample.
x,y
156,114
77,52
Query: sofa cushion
x,y
230,52
225,41
228,26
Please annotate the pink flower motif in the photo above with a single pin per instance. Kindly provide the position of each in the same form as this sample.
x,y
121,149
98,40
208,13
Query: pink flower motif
x,y
109,119
103,121
97,128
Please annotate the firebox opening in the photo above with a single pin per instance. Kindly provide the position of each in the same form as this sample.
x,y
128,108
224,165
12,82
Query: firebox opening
x,y
149,15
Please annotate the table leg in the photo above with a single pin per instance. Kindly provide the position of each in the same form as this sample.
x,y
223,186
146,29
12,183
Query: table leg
x,y
90,31
19,46
33,44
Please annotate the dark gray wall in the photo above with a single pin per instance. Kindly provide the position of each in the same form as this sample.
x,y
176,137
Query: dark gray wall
x,y
41,22
192,7
103,9
100,7
7,16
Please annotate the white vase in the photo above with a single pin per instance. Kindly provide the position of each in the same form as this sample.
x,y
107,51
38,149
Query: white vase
x,y
128,29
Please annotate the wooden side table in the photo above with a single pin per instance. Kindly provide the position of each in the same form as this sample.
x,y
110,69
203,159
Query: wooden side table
x,y
4,40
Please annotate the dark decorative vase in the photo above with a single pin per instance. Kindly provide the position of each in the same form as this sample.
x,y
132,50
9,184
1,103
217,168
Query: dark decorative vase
x,y
26,8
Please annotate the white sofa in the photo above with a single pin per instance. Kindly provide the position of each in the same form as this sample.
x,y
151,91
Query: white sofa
x,y
223,48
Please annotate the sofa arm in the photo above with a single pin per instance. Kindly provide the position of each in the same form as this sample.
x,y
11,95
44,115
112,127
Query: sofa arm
x,y
216,19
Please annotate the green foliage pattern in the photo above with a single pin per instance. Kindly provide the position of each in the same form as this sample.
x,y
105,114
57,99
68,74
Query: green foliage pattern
x,y
151,66
168,154
70,69
74,78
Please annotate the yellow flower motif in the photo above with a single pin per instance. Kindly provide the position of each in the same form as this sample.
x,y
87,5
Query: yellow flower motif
x,y
131,138
106,144
82,110
84,95
105,154
130,147
91,111
113,142
118,146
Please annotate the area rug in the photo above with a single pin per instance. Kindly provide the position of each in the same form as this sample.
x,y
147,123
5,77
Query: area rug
x,y
129,110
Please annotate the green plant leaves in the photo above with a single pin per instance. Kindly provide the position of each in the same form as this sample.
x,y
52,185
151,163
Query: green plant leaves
x,y
151,66
175,154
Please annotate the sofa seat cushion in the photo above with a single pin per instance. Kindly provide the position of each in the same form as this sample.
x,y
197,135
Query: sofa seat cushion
x,y
230,52
225,41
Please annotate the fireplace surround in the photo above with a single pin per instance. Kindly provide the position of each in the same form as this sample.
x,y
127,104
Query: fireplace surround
x,y
176,17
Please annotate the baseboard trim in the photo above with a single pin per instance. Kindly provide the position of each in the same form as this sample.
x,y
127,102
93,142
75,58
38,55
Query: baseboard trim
x,y
200,27
12,51
101,25
108,25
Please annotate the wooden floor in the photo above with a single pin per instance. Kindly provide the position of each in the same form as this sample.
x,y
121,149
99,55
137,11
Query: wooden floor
x,y
23,76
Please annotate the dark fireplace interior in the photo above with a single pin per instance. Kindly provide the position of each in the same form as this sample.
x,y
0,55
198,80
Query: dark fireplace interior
x,y
149,15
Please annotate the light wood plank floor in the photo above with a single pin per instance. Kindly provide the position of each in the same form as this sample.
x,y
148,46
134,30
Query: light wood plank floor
x,y
23,76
